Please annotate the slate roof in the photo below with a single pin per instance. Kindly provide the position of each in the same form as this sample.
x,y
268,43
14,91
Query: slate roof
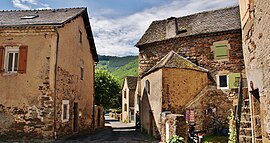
x,y
174,60
220,20
45,17
48,17
131,82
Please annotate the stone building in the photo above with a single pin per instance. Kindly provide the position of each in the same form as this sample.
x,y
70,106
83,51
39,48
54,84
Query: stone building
x,y
47,61
167,83
211,40
128,98
255,20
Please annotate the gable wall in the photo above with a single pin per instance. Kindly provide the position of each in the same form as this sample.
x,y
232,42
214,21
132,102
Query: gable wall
x,y
72,55
179,87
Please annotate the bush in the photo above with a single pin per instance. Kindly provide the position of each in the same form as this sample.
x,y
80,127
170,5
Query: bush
x,y
176,139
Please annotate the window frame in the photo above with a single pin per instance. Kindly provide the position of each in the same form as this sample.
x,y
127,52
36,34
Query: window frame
x,y
14,50
218,81
65,102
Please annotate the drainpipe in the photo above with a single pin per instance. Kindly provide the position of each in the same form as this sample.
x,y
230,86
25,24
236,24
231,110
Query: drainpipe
x,y
55,76
238,109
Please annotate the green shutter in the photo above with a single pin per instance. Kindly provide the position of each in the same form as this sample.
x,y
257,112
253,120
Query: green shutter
x,y
234,79
221,52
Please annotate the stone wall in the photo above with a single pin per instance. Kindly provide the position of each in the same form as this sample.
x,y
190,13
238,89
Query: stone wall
x,y
196,49
255,22
177,126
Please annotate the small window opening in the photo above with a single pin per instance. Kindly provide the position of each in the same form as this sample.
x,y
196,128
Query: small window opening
x,y
82,73
29,16
223,81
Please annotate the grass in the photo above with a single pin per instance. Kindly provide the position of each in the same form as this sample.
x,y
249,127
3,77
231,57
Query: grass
x,y
215,139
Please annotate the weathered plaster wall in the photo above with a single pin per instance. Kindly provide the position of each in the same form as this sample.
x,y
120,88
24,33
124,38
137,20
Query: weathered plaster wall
x,y
180,86
256,41
125,115
72,56
26,106
151,103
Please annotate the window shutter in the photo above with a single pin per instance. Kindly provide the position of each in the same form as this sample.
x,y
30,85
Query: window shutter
x,y
1,58
221,52
234,79
22,59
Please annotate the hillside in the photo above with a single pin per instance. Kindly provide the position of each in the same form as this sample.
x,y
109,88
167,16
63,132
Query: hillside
x,y
129,69
112,63
120,66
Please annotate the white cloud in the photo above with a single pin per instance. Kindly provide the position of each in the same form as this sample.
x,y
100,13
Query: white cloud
x,y
118,36
28,4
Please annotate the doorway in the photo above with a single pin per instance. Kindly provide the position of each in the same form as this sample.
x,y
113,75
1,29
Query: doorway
x,y
75,120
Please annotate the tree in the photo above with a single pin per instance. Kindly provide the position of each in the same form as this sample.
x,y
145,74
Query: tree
x,y
107,89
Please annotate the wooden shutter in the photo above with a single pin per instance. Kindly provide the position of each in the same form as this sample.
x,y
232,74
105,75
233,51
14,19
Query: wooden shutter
x,y
234,80
1,58
22,59
221,52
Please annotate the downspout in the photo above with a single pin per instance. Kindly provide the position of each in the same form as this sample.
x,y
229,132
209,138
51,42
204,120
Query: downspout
x,y
238,109
55,76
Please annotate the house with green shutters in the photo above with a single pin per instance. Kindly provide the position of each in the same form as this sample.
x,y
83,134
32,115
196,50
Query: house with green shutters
x,y
211,40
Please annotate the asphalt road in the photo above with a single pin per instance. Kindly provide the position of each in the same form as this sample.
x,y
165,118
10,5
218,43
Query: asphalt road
x,y
114,131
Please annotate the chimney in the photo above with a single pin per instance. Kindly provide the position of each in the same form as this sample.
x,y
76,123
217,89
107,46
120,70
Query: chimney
x,y
171,27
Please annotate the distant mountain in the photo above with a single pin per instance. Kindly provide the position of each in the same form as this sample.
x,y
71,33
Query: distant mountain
x,y
119,66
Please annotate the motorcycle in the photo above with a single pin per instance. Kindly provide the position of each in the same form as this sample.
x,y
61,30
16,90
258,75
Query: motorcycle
x,y
195,136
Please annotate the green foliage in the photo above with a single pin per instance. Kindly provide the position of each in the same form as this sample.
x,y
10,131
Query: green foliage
x,y
120,67
232,128
107,89
176,139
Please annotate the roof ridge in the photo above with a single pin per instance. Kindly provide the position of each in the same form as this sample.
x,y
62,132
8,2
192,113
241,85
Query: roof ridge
x,y
201,12
45,9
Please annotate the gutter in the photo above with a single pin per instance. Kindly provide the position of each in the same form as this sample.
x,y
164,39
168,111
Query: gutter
x,y
55,87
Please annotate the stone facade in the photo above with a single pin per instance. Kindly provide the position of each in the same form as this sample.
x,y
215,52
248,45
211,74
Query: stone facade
x,y
255,28
197,48
49,98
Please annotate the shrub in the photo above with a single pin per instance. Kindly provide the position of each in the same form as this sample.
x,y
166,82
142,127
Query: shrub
x,y
176,139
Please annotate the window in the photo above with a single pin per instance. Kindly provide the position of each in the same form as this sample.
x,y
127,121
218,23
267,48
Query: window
x,y
125,94
228,81
65,110
125,108
80,36
223,81
81,73
147,86
221,50
13,59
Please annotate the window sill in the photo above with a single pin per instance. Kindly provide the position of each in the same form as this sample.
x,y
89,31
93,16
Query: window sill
x,y
10,74
222,60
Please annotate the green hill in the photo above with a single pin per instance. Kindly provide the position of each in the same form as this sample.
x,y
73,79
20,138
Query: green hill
x,y
112,63
119,66
129,69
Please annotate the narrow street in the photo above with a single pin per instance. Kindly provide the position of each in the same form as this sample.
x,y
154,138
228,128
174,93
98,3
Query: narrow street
x,y
114,131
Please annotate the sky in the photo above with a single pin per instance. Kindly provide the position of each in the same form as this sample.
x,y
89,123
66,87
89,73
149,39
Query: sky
x,y
118,25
